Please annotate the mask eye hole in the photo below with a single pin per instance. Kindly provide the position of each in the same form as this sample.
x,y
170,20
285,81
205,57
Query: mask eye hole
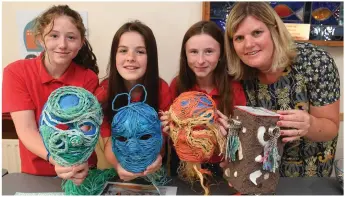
x,y
121,138
145,137
85,128
88,128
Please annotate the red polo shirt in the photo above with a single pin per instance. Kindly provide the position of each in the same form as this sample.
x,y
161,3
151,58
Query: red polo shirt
x,y
239,98
101,94
27,86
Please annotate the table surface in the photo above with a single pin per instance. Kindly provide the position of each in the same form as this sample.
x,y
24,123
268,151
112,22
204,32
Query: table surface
x,y
20,182
4,172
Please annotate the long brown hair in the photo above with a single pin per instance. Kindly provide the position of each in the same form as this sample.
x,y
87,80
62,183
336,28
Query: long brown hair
x,y
85,57
186,78
151,77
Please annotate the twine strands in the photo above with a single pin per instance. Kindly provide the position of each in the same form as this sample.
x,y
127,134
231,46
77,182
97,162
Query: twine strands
x,y
92,185
193,130
72,107
191,172
271,155
136,134
63,117
195,134
233,140
158,178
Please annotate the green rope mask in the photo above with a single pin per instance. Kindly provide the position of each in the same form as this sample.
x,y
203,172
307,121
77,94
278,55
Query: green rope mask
x,y
69,124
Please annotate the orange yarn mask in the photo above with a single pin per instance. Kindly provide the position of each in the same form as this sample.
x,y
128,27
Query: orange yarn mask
x,y
195,134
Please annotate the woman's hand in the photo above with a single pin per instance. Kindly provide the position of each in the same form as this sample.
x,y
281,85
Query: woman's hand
x,y
80,173
125,175
298,120
224,164
164,117
154,166
64,172
76,173
224,123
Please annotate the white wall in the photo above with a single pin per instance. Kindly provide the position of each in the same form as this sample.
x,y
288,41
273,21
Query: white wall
x,y
169,21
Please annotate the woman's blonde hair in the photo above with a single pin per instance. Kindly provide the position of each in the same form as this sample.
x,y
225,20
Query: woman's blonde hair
x,y
284,47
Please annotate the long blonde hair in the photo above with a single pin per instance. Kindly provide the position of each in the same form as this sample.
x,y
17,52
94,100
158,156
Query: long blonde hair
x,y
284,47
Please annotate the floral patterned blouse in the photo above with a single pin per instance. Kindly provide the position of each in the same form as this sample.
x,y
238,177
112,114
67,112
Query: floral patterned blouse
x,y
312,79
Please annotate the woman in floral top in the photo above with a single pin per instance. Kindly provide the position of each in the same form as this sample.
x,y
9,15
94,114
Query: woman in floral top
x,y
298,80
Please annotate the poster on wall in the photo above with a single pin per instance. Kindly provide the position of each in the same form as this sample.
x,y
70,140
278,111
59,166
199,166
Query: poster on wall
x,y
28,46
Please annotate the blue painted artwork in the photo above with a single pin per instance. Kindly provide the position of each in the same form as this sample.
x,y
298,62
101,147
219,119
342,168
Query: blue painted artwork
x,y
326,18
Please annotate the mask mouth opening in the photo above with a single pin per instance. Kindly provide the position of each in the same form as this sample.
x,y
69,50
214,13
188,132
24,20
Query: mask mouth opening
x,y
60,144
199,127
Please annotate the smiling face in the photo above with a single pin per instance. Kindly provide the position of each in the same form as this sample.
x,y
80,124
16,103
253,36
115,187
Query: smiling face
x,y
131,56
62,41
253,43
202,53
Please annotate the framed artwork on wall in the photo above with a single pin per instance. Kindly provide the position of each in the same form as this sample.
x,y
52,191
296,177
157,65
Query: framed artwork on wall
x,y
325,18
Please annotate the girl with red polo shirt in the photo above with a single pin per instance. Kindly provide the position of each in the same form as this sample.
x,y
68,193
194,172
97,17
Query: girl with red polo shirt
x,y
203,68
133,60
67,59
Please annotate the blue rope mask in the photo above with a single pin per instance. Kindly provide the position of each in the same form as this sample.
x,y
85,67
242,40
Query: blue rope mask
x,y
66,112
136,134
